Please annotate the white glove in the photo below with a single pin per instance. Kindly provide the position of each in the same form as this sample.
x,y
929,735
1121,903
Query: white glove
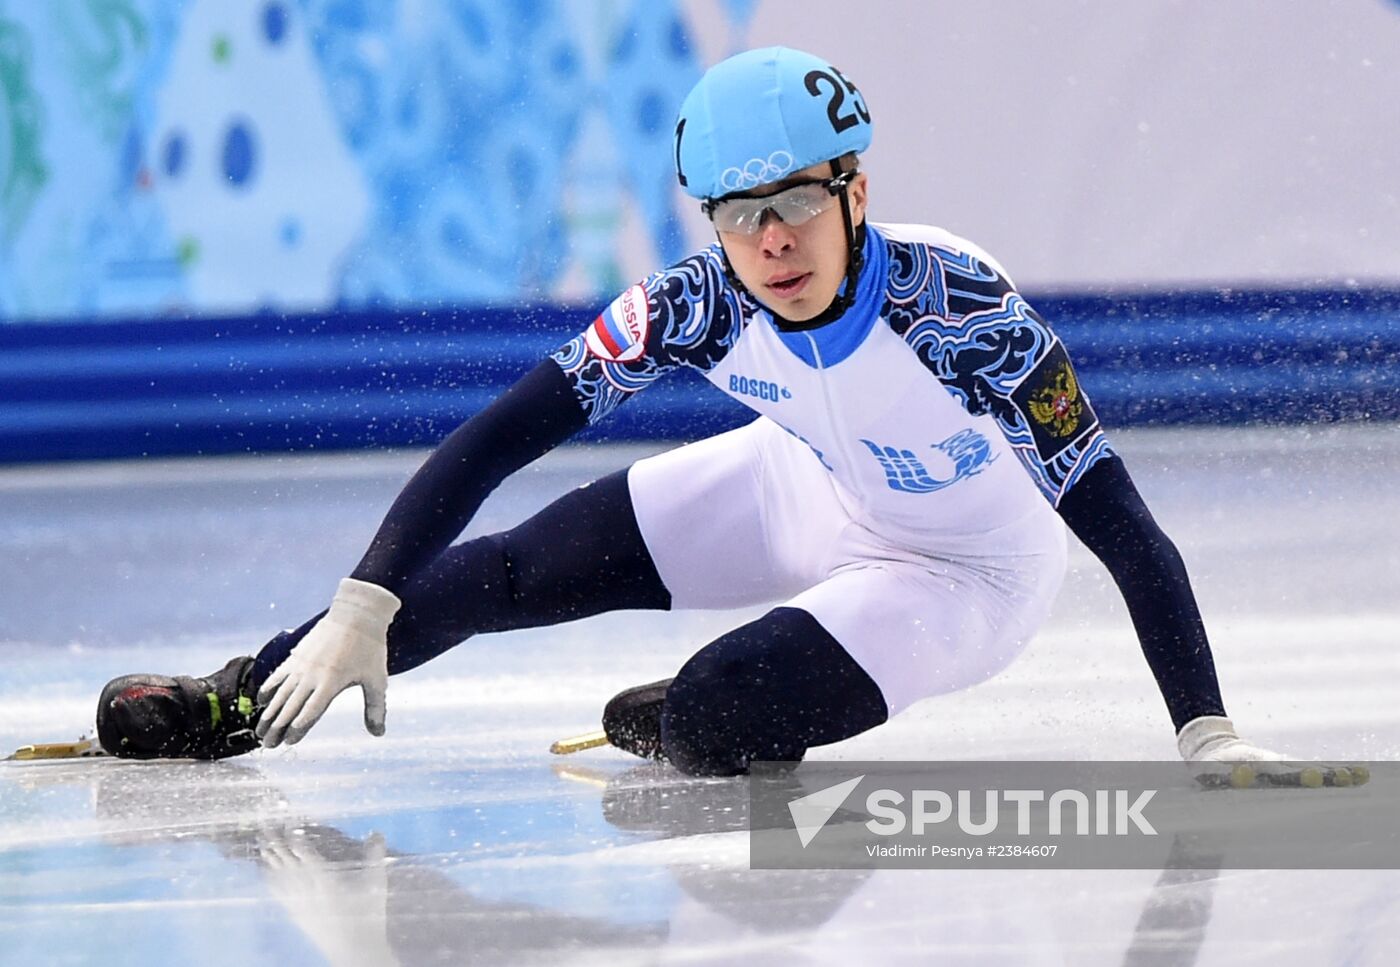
x,y
348,646
1221,757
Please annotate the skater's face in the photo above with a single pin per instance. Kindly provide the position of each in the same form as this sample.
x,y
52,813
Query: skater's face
x,y
794,269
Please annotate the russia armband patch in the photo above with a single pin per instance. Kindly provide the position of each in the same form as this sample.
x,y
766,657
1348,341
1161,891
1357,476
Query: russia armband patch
x,y
619,334
1054,405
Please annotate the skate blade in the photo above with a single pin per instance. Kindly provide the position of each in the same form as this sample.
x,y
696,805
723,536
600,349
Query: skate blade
x,y
589,740
81,749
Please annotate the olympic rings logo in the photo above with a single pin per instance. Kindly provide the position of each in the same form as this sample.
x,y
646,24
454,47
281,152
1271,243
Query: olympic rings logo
x,y
756,171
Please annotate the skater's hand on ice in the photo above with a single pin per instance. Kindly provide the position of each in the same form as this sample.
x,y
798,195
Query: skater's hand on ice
x,y
346,647
1219,757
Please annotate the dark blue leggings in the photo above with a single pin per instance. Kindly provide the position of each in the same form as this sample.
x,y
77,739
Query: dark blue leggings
x,y
767,690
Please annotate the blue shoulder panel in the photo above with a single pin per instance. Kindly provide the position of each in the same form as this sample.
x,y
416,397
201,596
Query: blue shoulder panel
x,y
686,315
995,355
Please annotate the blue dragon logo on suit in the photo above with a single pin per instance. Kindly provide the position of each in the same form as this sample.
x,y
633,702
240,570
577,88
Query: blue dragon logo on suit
x,y
904,471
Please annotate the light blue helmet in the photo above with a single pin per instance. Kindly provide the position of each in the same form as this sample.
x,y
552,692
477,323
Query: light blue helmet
x,y
762,115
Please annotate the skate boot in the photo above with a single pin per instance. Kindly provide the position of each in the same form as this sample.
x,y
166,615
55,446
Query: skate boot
x,y
632,719
158,717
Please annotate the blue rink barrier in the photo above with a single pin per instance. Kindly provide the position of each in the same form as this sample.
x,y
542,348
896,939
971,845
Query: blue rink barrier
x,y
128,388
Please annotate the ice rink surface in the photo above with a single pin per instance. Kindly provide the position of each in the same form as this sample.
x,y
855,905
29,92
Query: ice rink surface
x,y
458,838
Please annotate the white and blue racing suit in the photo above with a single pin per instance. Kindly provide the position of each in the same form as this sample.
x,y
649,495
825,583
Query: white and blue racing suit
x,y
897,496
899,482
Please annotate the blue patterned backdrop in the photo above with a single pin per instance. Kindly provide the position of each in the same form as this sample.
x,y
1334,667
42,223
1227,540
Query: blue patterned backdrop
x,y
215,156
234,225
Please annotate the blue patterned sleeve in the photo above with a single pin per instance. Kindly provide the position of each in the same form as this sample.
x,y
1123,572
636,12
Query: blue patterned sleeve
x,y
997,355
686,315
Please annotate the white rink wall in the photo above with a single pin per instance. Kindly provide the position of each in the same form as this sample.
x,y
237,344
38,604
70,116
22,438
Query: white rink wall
x,y
1095,142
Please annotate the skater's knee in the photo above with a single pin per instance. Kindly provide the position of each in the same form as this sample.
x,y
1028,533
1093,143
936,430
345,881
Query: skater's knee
x,y
695,734
715,720
766,692
713,691
696,751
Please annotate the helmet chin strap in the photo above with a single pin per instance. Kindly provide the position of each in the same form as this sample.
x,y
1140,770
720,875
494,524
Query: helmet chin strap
x,y
855,261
